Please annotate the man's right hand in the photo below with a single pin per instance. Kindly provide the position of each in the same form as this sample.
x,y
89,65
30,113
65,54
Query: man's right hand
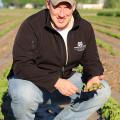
x,y
65,87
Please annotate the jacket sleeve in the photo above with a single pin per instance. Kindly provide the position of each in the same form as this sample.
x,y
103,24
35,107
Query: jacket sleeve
x,y
24,59
90,60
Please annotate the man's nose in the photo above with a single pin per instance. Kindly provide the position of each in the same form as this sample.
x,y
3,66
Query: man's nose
x,y
62,13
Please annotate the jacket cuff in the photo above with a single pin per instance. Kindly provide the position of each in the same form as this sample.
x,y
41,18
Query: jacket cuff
x,y
95,70
52,82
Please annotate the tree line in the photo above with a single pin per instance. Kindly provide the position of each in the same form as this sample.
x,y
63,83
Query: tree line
x,y
20,3
112,3
108,3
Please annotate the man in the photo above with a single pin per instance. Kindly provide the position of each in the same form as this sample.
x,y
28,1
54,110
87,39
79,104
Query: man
x,y
49,44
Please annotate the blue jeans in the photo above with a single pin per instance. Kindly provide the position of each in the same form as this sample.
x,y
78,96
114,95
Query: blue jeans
x,y
26,98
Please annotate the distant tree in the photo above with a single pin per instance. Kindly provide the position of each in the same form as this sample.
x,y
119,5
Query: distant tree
x,y
112,3
42,2
108,4
6,2
87,1
23,2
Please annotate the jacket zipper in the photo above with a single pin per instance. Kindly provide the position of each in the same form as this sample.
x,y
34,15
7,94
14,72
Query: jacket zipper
x,y
66,51
63,69
63,47
67,54
65,63
66,48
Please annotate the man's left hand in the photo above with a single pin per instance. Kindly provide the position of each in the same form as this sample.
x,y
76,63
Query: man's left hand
x,y
96,79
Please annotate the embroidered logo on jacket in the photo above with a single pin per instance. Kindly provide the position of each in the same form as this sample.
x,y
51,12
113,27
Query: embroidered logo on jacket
x,y
80,47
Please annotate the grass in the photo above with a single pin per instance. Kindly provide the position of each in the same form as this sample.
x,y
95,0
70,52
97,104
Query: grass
x,y
3,89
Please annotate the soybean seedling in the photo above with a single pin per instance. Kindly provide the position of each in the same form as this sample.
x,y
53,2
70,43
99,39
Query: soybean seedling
x,y
94,87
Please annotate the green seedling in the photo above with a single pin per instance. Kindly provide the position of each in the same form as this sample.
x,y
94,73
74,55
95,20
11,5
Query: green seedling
x,y
94,87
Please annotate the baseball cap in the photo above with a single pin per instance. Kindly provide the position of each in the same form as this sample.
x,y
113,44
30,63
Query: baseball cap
x,y
56,2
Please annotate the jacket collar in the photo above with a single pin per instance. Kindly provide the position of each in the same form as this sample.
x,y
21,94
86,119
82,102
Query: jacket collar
x,y
76,16
77,19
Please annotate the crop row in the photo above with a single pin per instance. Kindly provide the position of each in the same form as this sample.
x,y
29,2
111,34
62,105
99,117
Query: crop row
x,y
6,16
115,35
109,26
107,47
5,19
8,29
17,12
111,31
106,25
103,19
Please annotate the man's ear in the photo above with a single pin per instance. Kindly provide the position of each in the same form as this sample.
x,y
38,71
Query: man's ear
x,y
47,3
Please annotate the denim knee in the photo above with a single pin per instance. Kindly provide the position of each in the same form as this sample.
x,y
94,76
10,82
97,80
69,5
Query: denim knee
x,y
25,93
27,96
106,90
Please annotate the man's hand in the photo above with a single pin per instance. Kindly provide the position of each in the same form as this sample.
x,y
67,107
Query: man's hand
x,y
93,81
65,87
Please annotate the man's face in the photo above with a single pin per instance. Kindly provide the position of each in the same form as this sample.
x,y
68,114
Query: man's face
x,y
61,14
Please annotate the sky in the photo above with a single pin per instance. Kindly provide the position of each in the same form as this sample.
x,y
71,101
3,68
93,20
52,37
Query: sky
x,y
1,4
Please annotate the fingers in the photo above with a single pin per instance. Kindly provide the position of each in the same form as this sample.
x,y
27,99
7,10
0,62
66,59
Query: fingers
x,y
93,87
69,90
66,87
72,91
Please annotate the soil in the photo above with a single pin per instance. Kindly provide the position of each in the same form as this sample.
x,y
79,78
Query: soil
x,y
6,43
6,24
111,64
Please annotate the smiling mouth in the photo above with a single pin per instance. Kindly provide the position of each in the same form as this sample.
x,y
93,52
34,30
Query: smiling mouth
x,y
60,20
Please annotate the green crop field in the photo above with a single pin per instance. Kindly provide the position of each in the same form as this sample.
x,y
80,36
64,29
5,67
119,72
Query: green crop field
x,y
11,19
3,89
106,24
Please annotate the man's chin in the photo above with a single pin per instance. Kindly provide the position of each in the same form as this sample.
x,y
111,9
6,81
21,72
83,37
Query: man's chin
x,y
61,27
